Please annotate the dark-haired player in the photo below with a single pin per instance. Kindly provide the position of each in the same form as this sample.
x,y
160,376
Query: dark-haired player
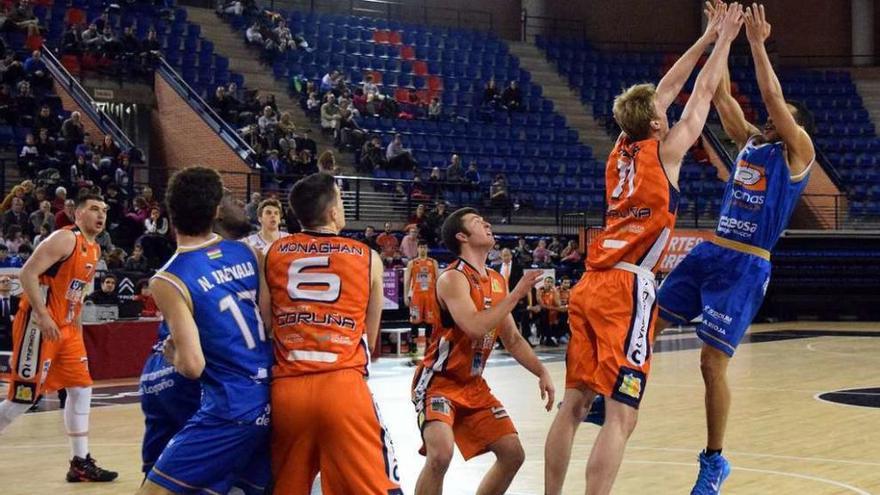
x,y
208,293
48,349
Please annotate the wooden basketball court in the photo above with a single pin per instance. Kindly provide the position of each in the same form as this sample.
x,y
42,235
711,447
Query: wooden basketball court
x,y
782,437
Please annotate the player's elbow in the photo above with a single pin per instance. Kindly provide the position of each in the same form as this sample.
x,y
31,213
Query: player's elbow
x,y
190,366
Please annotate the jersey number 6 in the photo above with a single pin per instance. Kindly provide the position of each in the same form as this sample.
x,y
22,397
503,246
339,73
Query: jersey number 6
x,y
296,279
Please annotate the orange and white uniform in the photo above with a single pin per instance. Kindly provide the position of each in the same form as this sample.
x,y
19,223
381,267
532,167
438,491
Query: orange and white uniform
x,y
325,418
423,291
448,386
38,365
548,297
613,311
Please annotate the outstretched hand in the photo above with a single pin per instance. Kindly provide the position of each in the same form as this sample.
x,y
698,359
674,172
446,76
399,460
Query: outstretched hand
x,y
757,27
714,12
731,22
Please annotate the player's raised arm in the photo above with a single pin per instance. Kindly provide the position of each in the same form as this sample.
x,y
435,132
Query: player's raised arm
x,y
377,296
732,117
797,142
172,302
670,85
55,248
453,291
683,135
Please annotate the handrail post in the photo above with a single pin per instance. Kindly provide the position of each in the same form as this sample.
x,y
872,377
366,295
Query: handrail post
x,y
357,200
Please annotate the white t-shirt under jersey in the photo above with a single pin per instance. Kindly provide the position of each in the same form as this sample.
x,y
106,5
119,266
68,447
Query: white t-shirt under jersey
x,y
256,241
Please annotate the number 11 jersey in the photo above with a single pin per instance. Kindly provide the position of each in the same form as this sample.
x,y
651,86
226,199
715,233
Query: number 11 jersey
x,y
320,286
220,282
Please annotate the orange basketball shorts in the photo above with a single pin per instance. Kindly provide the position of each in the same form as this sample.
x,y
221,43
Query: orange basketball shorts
x,y
423,308
40,365
328,422
477,418
612,315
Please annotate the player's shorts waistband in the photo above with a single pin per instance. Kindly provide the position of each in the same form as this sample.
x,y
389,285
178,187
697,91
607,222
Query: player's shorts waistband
x,y
742,247
638,270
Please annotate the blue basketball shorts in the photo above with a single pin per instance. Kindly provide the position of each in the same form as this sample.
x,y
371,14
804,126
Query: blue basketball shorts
x,y
211,455
168,400
725,286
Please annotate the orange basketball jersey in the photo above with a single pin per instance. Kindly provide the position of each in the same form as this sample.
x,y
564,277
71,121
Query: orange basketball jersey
x,y
65,282
548,297
642,205
422,276
320,287
564,296
453,359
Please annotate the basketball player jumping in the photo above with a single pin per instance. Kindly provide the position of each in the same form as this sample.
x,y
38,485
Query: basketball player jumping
x,y
454,404
725,280
48,348
612,311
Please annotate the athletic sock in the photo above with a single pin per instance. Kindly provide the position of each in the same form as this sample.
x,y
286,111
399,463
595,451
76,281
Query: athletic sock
x,y
711,452
76,419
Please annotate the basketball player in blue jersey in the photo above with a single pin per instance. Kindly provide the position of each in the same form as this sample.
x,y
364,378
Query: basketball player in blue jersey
x,y
725,280
208,293
169,399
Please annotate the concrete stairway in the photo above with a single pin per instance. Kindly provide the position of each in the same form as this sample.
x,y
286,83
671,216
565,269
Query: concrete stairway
x,y
868,84
564,99
245,60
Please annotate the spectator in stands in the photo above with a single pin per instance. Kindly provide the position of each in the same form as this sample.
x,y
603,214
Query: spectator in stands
x,y
253,35
251,208
46,120
434,222
106,295
151,49
137,262
555,246
91,38
570,255
115,255
72,130
22,18
494,256
498,192
42,233
267,122
6,103
419,217
14,238
36,70
16,216
40,217
129,44
221,103
434,185
11,69
372,156
370,238
65,217
25,104
523,252
29,159
399,158
102,21
29,196
156,224
435,109
8,308
147,194
59,201
472,175
46,147
286,126
330,116
115,206
328,82
313,106
110,45
327,163
512,97
370,87
409,246
16,192
7,261
108,152
491,96
388,245
541,255
300,164
455,172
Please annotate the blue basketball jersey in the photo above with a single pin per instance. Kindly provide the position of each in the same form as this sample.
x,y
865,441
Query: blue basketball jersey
x,y
220,281
760,196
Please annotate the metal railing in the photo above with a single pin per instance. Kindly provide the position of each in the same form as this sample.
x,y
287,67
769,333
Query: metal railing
x,y
226,132
419,12
82,97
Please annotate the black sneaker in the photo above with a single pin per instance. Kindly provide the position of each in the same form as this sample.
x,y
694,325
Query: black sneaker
x,y
86,470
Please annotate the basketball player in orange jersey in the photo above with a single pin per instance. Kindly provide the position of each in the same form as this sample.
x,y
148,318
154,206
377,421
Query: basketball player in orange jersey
x,y
564,291
48,349
453,402
612,311
548,298
420,294
326,304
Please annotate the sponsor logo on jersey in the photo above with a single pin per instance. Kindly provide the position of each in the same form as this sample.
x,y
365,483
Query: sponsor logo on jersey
x,y
441,405
499,412
496,286
740,228
718,315
750,176
27,361
636,212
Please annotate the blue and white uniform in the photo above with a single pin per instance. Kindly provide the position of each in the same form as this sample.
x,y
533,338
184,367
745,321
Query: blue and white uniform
x,y
726,279
226,442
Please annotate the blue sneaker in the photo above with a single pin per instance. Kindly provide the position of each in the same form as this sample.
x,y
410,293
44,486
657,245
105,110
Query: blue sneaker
x,y
713,471
597,411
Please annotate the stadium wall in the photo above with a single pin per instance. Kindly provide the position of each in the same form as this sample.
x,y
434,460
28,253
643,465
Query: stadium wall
x,y
180,138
